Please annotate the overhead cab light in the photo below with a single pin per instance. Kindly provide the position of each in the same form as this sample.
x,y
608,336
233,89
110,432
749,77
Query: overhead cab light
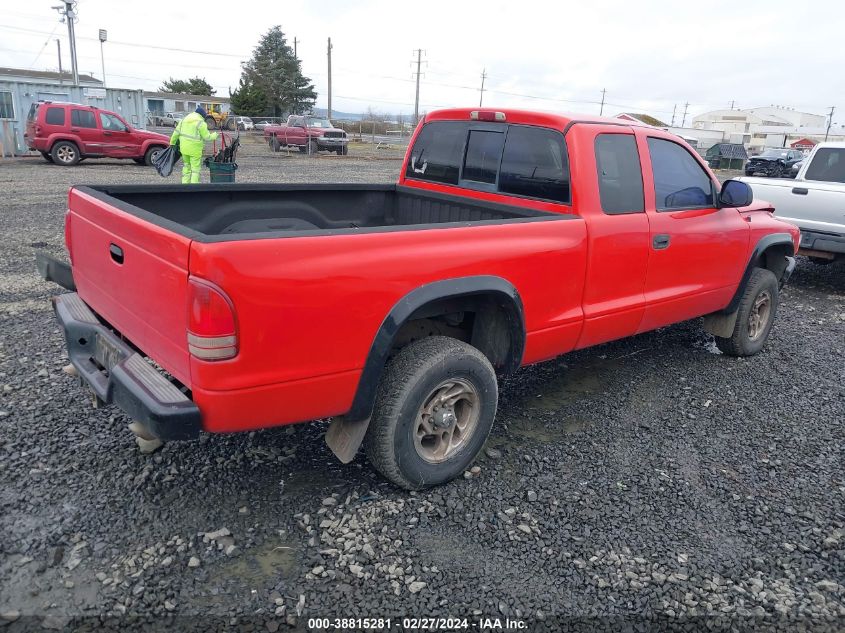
x,y
487,115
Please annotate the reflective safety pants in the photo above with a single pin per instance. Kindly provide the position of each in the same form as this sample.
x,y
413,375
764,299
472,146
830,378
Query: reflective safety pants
x,y
191,168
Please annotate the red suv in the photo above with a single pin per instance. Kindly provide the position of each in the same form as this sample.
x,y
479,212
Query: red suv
x,y
65,133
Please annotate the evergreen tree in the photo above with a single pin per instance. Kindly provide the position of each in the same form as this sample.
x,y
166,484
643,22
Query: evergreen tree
x,y
249,99
193,86
275,73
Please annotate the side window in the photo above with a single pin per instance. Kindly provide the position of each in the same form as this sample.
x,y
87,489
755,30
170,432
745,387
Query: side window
x,y
111,123
535,164
437,152
55,116
620,174
828,164
82,118
679,181
484,150
7,107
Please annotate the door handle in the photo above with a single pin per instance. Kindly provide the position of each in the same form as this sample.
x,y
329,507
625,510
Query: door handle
x,y
74,129
800,191
660,242
116,253
106,133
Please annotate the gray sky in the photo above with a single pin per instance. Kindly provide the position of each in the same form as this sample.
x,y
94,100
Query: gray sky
x,y
649,55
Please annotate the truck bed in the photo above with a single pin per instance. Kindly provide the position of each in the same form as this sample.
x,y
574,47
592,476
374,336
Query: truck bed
x,y
216,214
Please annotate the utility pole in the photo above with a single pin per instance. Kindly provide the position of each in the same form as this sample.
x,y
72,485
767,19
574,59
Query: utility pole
x,y
59,47
601,109
417,98
829,122
329,52
483,77
732,104
68,12
103,37
684,120
674,109
294,48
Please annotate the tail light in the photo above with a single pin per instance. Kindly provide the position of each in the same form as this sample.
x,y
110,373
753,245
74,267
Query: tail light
x,y
67,237
212,329
487,115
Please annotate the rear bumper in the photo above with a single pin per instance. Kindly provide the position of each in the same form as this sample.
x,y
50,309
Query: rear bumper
x,y
823,242
118,375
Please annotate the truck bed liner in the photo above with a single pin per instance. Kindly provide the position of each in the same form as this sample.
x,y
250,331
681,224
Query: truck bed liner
x,y
211,213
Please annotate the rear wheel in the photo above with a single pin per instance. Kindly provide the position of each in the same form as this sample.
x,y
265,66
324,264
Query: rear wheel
x,y
434,409
755,315
47,156
152,154
65,153
303,149
211,123
345,150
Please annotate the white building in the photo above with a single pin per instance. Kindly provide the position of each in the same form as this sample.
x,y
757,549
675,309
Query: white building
x,y
161,102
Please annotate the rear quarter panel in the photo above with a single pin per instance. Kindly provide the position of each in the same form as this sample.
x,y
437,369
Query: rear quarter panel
x,y
311,306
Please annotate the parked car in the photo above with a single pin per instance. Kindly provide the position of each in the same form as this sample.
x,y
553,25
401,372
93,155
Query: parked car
x,y
308,134
66,133
244,123
168,120
510,238
774,163
261,125
814,202
797,168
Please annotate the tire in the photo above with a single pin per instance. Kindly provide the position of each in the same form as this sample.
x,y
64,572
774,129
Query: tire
x,y
313,148
46,156
151,154
139,161
751,329
345,150
413,381
303,149
275,145
211,123
777,172
65,153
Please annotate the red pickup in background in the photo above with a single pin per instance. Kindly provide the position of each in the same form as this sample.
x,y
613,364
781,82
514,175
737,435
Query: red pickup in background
x,y
510,238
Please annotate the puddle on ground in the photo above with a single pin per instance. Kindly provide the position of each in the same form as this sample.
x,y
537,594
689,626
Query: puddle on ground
x,y
547,431
270,562
561,391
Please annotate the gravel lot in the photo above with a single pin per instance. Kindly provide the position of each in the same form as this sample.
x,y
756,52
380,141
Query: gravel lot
x,y
650,483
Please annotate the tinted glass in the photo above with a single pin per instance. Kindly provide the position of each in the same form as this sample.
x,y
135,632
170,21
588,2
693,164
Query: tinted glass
x,y
484,149
679,181
55,116
82,118
535,164
437,152
828,164
111,122
620,174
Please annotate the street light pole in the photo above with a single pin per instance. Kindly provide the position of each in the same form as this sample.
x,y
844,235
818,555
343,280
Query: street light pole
x,y
103,37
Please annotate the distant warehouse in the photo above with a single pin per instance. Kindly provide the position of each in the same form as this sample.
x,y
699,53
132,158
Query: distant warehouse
x,y
162,102
20,88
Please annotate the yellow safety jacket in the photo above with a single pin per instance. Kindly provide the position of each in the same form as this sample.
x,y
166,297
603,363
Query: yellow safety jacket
x,y
191,133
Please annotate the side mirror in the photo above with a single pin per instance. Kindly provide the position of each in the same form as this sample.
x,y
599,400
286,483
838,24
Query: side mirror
x,y
735,194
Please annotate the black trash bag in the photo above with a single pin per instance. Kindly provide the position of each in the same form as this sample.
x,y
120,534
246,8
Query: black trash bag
x,y
166,161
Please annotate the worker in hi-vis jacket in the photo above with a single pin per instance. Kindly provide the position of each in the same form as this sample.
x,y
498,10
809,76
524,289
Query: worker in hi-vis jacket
x,y
190,134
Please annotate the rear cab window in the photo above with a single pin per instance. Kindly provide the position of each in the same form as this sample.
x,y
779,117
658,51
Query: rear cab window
x,y
55,115
517,160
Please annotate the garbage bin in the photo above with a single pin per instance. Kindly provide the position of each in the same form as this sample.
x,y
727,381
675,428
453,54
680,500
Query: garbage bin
x,y
222,172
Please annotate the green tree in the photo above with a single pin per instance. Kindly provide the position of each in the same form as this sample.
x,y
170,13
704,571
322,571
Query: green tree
x,y
274,72
249,99
193,86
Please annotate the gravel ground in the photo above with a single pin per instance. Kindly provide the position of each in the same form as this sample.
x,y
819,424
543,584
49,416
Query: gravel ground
x,y
645,484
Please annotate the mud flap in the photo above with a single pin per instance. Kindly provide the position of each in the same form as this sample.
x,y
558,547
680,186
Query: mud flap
x,y
344,437
721,325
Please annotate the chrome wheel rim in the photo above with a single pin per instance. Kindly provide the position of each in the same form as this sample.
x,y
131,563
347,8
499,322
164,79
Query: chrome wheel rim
x,y
154,155
758,319
65,154
446,420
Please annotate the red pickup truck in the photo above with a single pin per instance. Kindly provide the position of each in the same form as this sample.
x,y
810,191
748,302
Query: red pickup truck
x,y
308,134
510,238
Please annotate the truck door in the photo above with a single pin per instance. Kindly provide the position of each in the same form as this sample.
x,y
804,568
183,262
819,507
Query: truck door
x,y
697,251
295,131
610,199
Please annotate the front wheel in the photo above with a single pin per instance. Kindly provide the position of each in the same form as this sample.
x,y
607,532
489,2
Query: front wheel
x,y
434,409
151,155
313,148
755,316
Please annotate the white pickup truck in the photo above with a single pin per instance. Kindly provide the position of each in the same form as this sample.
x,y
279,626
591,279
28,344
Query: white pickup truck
x,y
814,201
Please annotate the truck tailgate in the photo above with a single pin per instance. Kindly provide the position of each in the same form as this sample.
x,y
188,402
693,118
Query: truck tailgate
x,y
134,274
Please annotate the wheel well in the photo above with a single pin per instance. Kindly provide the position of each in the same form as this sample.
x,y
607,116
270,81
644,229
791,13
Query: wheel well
x,y
485,321
774,258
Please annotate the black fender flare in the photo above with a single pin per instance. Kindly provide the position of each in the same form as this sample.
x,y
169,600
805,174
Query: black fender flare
x,y
362,405
765,243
